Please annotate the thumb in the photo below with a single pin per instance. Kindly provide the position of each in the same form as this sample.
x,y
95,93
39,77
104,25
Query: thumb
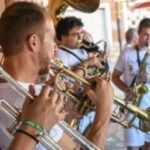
x,y
32,92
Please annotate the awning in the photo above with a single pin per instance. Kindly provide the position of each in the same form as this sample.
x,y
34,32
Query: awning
x,y
141,5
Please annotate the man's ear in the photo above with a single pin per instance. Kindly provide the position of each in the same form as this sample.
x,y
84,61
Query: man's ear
x,y
33,42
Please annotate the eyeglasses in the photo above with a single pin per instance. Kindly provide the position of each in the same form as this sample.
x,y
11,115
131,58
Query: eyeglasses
x,y
76,34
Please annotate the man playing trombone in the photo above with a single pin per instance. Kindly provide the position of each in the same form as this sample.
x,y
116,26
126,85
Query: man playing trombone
x,y
27,39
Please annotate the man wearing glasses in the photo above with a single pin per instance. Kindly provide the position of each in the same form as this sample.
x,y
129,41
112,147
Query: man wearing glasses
x,y
69,33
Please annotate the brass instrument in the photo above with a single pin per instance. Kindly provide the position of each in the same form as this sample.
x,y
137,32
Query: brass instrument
x,y
99,50
45,140
15,115
138,80
144,115
137,91
57,8
138,87
93,47
82,104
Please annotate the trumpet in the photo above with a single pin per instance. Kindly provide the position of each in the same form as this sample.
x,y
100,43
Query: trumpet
x,y
144,115
13,113
45,140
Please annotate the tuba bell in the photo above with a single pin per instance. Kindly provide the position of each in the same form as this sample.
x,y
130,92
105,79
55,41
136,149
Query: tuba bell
x,y
57,7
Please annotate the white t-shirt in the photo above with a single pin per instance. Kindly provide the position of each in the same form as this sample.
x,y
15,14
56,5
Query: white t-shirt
x,y
15,99
128,65
126,47
69,59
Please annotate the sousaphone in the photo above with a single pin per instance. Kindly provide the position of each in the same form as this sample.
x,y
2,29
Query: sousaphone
x,y
58,7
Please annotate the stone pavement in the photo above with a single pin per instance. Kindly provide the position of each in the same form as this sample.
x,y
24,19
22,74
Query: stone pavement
x,y
115,140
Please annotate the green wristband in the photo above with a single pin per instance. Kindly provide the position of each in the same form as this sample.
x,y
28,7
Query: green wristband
x,y
35,125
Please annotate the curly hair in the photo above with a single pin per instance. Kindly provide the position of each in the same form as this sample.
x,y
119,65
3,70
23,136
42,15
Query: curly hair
x,y
66,24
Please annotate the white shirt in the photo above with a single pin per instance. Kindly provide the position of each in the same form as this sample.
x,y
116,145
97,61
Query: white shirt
x,y
126,47
128,65
69,59
15,99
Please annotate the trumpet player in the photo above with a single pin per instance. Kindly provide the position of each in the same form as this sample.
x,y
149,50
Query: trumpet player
x,y
37,110
128,66
27,39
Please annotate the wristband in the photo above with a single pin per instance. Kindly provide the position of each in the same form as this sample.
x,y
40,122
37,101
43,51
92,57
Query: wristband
x,y
35,125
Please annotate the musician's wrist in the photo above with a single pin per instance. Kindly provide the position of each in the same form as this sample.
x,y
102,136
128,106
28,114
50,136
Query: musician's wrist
x,y
30,130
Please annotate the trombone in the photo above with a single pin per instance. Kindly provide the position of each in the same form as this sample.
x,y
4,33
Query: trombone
x,y
45,140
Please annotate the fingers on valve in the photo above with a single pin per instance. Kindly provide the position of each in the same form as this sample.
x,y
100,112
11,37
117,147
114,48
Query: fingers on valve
x,y
60,106
45,91
56,101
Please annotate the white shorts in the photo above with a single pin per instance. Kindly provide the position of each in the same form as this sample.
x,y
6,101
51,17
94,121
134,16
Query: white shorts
x,y
135,137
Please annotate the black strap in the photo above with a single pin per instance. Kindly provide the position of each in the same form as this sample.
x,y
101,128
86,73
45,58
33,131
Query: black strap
x,y
138,55
139,63
66,50
27,134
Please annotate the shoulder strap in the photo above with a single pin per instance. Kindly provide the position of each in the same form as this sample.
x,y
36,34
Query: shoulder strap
x,y
66,50
139,63
138,56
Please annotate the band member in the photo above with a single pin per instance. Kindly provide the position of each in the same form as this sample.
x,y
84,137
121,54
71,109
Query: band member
x,y
46,110
128,66
27,39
